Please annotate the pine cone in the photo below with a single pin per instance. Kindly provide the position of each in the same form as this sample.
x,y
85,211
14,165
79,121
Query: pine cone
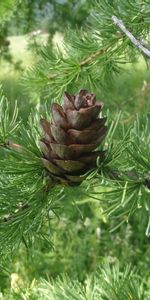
x,y
72,135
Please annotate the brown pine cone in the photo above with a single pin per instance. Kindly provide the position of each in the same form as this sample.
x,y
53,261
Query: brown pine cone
x,y
72,135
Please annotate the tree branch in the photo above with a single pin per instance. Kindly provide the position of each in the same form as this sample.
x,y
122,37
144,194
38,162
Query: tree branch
x,y
92,56
84,62
137,43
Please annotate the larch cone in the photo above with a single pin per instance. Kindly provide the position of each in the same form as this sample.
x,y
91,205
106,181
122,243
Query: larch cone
x,y
70,139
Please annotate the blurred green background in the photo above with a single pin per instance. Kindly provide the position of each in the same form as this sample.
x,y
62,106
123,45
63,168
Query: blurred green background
x,y
80,239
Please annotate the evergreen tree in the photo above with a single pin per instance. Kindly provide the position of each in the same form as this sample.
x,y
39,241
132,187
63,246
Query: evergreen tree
x,y
36,181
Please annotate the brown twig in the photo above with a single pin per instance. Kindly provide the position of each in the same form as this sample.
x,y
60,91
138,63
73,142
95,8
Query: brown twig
x,y
84,62
92,56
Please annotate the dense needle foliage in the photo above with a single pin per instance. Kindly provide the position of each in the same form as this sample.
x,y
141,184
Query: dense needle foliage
x,y
75,230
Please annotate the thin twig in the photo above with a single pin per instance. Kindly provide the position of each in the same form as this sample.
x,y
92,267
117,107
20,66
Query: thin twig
x,y
92,56
84,62
137,43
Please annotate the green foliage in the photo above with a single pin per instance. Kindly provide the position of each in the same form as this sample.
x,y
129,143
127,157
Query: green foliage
x,y
56,230
38,17
15,169
90,57
51,16
8,125
119,186
4,43
128,165
108,283
6,9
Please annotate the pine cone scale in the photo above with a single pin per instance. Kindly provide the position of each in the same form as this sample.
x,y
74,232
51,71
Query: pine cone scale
x,y
91,158
58,115
59,134
83,117
62,151
70,165
84,148
68,101
75,179
52,167
72,136
85,136
45,149
97,124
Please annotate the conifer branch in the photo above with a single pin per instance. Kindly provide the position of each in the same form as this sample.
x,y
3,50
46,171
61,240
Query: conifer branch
x,y
23,174
91,57
136,42
108,283
84,62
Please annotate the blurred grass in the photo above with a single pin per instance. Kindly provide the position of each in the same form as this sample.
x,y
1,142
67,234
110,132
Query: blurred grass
x,y
10,76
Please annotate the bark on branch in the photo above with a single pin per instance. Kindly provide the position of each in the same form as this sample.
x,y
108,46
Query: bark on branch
x,y
136,42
